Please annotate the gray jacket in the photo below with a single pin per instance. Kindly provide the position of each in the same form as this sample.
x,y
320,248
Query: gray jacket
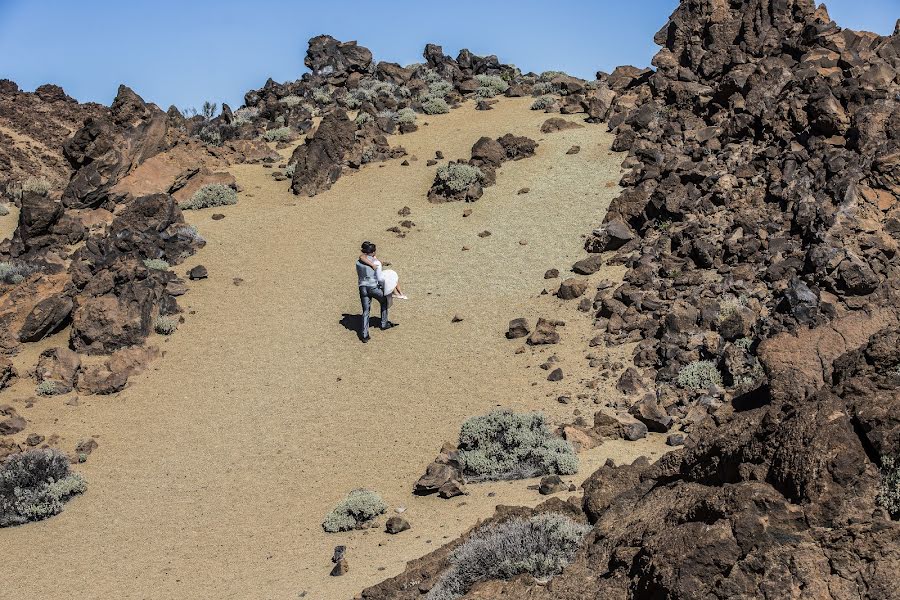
x,y
366,275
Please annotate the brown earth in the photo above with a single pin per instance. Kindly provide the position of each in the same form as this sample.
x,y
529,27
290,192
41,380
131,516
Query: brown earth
x,y
216,466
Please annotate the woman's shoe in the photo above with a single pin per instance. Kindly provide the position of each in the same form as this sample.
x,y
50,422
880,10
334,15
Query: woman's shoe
x,y
402,297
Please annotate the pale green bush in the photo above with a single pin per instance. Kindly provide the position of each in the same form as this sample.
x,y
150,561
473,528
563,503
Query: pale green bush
x,y
215,194
431,76
508,445
541,546
435,106
321,96
190,232
34,485
210,134
289,171
699,375
492,82
543,88
165,325
402,92
548,75
405,115
14,273
362,118
244,115
38,185
291,101
277,135
543,103
457,177
156,264
440,88
889,488
46,388
358,508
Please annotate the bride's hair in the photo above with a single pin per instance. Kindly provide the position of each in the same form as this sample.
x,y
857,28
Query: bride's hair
x,y
368,247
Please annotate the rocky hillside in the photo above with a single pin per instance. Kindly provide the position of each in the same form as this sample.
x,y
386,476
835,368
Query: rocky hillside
x,y
759,228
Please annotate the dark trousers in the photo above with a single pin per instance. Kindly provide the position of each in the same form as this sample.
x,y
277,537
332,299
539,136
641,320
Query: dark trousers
x,y
366,295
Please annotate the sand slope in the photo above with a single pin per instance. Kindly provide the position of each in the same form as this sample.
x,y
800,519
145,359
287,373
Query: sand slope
x,y
216,466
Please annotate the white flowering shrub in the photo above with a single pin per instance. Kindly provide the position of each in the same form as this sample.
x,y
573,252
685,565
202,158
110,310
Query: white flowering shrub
x,y
14,273
208,196
508,445
165,325
435,106
457,177
542,546
358,508
277,135
362,118
156,264
34,485
38,185
291,101
495,83
405,115
321,96
699,375
889,488
543,103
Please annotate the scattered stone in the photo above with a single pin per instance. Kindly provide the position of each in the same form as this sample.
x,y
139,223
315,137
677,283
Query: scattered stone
x,y
523,190
589,265
217,216
456,319
405,163
395,525
467,212
518,328
484,234
34,439
340,568
675,439
574,150
544,333
198,272
551,484
555,375
558,124
404,212
551,274
572,288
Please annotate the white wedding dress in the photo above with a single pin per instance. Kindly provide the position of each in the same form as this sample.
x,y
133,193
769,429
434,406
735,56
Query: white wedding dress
x,y
386,277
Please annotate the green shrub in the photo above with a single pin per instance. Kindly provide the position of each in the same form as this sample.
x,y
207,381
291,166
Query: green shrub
x,y
435,106
39,185
541,546
440,89
244,115
362,118
457,177
889,489
321,96
46,388
431,76
744,343
359,507
277,135
492,82
290,101
508,445
402,92
699,375
289,171
216,194
210,134
543,103
165,325
549,75
34,485
14,273
156,264
544,89
485,92
190,232
405,115
729,306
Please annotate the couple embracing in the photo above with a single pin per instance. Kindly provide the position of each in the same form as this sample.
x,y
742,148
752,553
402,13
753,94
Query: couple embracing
x,y
375,283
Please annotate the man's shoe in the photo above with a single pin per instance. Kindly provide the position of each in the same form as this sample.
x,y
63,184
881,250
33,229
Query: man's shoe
x,y
390,325
365,340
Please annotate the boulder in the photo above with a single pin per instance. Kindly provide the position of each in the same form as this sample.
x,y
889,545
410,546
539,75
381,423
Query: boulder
x,y
544,333
320,160
518,328
58,364
572,288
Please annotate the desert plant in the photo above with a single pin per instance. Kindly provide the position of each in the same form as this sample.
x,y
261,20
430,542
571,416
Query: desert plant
x,y
14,273
190,232
244,115
38,185
369,153
699,375
165,325
34,485
211,135
435,106
492,82
405,115
541,546
277,135
549,75
215,194
289,171
46,388
543,103
209,109
744,343
508,445
362,118
431,76
156,264
291,100
402,92
457,177
439,89
729,306
485,92
889,488
321,96
359,507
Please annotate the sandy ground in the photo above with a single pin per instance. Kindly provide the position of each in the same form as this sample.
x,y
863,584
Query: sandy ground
x,y
217,465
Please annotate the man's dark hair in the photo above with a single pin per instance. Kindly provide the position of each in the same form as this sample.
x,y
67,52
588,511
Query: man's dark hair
x,y
368,247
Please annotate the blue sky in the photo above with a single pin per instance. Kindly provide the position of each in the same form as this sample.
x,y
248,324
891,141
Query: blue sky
x,y
182,53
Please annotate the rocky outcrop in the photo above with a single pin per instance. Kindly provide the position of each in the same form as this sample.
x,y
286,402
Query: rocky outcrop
x,y
320,160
